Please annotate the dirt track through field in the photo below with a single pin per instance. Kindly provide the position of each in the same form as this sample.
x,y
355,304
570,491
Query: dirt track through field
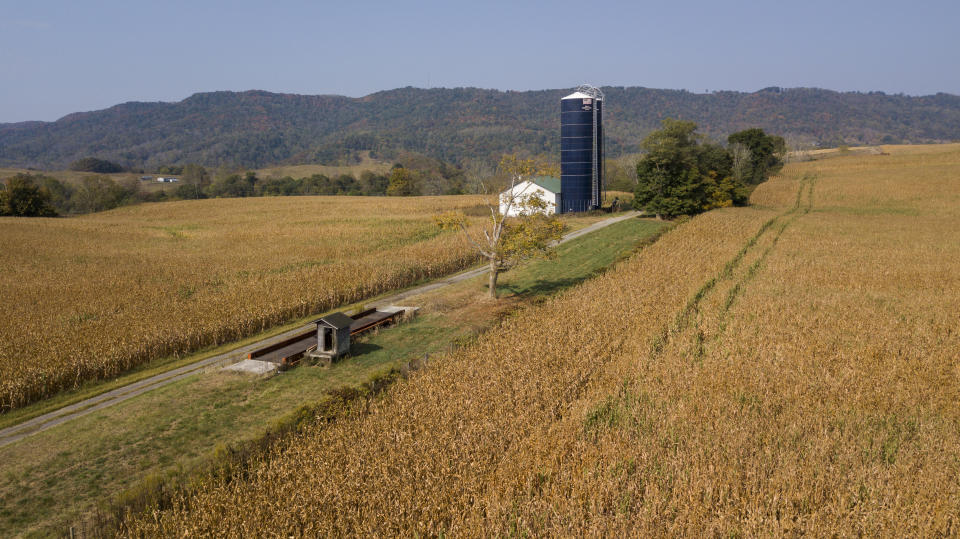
x,y
49,420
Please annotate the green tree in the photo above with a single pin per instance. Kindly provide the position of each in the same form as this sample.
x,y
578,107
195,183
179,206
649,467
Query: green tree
x,y
234,185
61,193
23,198
669,182
195,181
403,183
100,193
346,184
317,184
721,187
372,183
506,242
766,153
92,164
225,186
285,186
682,175
171,170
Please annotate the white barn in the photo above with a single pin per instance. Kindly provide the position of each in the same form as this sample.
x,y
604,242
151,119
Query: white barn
x,y
547,187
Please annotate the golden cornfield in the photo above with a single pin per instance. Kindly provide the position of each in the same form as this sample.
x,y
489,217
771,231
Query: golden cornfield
x,y
784,369
93,296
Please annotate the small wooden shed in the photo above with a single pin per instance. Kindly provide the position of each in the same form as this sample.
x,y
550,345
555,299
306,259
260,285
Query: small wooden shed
x,y
333,335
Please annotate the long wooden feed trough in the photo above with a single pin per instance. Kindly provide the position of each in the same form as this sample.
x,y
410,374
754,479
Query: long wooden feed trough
x,y
291,350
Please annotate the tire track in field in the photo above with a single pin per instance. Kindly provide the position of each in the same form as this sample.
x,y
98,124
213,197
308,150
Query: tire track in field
x,y
689,318
809,181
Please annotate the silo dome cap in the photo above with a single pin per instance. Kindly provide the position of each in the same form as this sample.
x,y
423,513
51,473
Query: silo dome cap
x,y
580,95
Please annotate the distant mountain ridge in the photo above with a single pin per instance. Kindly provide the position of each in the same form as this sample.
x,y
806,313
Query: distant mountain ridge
x,y
257,128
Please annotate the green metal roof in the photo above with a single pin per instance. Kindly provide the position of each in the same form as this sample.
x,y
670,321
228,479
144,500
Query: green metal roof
x,y
548,182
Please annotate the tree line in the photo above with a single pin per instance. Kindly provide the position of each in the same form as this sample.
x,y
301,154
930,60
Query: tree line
x,y
39,195
682,173
29,195
400,181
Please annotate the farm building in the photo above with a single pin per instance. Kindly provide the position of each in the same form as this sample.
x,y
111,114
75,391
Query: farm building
x,y
333,335
167,179
581,160
546,187
581,150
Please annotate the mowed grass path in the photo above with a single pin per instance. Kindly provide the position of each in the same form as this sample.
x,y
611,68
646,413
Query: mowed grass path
x,y
784,369
52,480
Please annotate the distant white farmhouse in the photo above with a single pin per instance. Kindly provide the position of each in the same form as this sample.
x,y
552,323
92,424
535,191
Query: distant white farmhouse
x,y
167,179
547,187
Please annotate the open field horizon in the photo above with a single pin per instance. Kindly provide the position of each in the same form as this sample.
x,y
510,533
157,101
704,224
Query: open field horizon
x,y
785,368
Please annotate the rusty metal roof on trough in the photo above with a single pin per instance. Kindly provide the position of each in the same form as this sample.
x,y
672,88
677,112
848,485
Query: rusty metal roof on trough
x,y
335,320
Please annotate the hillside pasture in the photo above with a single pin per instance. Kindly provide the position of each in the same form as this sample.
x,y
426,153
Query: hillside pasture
x,y
330,171
789,368
91,297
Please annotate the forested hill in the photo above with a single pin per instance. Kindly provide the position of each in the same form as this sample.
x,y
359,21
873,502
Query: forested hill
x,y
257,128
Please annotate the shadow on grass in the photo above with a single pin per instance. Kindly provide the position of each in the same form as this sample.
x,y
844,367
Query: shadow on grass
x,y
359,349
542,287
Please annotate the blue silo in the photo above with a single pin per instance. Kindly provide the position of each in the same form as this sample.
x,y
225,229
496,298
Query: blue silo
x,y
581,150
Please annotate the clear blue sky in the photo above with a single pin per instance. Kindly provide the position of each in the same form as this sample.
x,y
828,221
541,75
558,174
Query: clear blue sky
x,y
62,56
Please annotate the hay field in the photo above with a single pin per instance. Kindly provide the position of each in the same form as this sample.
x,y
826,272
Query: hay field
x,y
90,297
784,369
